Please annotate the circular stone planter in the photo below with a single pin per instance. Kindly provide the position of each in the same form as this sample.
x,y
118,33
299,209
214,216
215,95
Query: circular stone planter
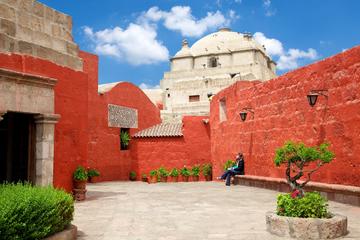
x,y
306,228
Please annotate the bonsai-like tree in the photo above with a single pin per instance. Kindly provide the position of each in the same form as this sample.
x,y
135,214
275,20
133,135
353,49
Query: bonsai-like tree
x,y
302,161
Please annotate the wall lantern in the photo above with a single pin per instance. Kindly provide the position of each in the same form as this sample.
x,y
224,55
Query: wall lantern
x,y
244,112
313,95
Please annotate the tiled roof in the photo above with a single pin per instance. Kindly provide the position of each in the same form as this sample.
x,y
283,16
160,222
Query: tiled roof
x,y
161,130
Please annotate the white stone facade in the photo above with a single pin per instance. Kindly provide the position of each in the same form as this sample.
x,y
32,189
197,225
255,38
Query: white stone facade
x,y
210,65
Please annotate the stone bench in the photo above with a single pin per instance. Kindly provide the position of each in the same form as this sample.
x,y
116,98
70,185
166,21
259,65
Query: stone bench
x,y
334,192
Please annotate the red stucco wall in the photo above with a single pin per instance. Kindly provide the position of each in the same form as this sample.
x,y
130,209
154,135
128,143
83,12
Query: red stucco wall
x,y
104,151
82,135
70,147
281,112
169,152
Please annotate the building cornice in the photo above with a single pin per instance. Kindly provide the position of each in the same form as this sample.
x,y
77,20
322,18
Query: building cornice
x,y
27,79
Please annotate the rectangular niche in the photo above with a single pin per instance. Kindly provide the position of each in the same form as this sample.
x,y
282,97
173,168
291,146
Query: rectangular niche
x,y
222,109
122,117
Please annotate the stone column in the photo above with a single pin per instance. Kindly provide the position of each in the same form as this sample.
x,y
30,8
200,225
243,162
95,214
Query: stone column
x,y
44,153
2,113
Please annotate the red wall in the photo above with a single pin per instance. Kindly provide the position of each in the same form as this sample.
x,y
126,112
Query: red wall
x,y
169,152
104,151
82,136
281,112
71,103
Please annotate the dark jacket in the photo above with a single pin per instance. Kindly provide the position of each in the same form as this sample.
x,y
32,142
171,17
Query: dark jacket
x,y
240,167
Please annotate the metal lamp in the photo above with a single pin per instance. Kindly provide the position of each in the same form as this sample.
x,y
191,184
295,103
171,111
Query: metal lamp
x,y
244,112
313,95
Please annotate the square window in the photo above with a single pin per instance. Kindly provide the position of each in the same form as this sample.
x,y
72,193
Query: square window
x,y
194,98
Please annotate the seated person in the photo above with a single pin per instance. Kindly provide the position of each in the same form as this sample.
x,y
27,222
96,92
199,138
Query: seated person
x,y
238,169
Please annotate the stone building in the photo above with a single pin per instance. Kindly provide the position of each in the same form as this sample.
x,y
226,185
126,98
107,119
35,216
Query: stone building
x,y
209,65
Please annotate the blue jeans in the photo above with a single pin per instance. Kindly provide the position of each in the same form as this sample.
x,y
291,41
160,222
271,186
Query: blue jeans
x,y
227,175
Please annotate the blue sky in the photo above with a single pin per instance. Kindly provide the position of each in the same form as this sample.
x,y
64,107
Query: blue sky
x,y
134,39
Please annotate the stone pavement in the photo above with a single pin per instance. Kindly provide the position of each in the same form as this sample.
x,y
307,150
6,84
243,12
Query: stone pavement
x,y
189,211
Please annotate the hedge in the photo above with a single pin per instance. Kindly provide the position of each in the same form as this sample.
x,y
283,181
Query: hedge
x,y
28,212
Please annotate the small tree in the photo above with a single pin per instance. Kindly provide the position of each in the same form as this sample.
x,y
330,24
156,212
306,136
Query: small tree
x,y
302,161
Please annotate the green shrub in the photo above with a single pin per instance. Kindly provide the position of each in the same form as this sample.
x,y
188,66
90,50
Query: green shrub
x,y
80,174
93,173
301,162
185,172
28,212
153,173
229,163
195,170
163,172
207,169
312,205
174,172
132,175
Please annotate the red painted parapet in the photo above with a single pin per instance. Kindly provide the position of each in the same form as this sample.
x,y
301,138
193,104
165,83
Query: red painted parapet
x,y
281,112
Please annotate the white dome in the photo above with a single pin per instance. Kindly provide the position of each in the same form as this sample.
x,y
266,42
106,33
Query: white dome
x,y
223,41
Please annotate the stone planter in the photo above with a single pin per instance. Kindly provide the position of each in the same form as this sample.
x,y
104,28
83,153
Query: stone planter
x,y
79,184
79,194
306,228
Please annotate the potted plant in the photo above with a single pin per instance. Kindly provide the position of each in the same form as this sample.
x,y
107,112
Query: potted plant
x,y
207,171
195,173
229,164
132,176
185,173
92,174
124,139
80,178
297,208
174,174
153,176
163,173
144,178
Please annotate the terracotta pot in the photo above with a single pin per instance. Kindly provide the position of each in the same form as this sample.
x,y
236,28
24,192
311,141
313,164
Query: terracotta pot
x,y
208,178
175,179
195,178
132,178
153,179
79,184
144,179
163,179
79,194
93,179
185,178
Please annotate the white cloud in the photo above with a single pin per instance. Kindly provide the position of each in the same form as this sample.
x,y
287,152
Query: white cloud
x,y
272,45
137,44
269,11
148,86
290,60
180,18
286,59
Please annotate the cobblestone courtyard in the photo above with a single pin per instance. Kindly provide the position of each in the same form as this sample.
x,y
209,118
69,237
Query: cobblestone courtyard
x,y
191,211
